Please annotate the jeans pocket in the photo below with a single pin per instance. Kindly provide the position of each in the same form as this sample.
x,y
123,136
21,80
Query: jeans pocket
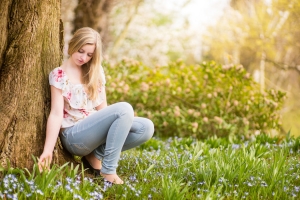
x,y
79,149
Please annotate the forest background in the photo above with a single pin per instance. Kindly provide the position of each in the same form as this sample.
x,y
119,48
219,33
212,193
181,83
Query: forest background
x,y
261,35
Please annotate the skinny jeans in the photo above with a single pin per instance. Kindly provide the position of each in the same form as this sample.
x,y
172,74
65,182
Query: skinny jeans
x,y
106,133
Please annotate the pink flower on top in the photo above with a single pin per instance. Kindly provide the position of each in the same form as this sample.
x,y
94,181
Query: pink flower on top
x,y
69,94
65,114
83,111
59,74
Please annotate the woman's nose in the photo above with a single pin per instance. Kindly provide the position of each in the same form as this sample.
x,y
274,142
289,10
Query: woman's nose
x,y
83,57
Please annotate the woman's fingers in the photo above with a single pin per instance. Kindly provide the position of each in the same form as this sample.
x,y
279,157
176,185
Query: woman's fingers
x,y
44,163
41,165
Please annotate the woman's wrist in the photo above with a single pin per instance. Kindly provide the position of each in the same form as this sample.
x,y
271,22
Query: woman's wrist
x,y
47,151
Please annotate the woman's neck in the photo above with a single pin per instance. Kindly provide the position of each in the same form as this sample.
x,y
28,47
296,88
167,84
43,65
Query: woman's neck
x,y
71,64
73,71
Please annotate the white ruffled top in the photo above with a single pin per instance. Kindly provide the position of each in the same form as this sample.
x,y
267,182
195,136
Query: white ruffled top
x,y
77,105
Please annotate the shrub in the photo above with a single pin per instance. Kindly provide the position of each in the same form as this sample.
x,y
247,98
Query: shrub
x,y
196,100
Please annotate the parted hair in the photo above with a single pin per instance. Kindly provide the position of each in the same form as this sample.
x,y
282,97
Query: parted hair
x,y
92,78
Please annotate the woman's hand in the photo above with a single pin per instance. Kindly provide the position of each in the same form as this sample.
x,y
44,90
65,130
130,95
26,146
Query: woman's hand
x,y
53,126
45,161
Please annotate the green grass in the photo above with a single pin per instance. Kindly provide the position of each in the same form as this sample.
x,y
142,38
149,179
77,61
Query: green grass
x,y
176,168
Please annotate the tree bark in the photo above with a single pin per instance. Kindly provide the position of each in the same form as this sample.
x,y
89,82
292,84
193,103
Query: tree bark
x,y
30,46
94,14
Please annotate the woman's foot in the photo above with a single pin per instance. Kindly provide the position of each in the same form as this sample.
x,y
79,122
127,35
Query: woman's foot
x,y
88,166
113,178
93,161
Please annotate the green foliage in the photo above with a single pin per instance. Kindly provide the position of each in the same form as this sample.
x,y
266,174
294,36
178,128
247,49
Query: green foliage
x,y
262,33
162,20
196,100
180,168
62,182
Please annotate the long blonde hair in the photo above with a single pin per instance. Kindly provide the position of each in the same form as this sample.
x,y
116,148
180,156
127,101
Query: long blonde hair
x,y
92,77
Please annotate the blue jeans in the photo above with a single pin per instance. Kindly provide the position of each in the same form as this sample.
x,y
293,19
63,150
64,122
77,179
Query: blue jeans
x,y
106,133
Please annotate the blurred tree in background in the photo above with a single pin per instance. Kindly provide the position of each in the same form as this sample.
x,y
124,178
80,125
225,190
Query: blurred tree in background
x,y
94,14
264,37
156,34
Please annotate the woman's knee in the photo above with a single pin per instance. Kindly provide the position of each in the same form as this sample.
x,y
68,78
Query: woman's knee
x,y
149,129
125,108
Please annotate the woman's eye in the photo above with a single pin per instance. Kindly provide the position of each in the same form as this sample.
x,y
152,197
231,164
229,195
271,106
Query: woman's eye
x,y
90,55
80,51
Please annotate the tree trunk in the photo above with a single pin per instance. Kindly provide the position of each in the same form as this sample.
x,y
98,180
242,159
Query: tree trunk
x,y
30,46
94,14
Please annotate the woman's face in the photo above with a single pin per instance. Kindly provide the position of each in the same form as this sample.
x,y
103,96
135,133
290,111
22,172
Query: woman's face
x,y
83,55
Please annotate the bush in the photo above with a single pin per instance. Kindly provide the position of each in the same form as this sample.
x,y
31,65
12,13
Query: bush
x,y
196,100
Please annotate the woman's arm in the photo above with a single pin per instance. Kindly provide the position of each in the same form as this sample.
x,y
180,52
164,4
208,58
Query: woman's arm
x,y
53,126
103,104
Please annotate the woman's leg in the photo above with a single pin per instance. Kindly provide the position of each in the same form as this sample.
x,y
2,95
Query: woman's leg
x,y
110,125
142,130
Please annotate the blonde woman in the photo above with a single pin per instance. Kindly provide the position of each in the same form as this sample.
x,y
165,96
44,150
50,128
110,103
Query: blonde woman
x,y
87,126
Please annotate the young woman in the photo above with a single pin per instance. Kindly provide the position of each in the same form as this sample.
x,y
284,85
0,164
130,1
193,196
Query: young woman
x,y
80,115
